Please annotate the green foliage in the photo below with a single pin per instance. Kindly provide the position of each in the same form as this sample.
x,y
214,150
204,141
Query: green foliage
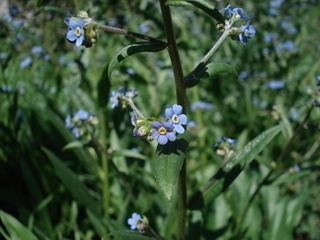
x,y
167,165
57,186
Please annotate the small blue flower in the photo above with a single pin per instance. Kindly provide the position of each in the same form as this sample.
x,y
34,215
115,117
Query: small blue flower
x,y
201,105
174,114
37,50
247,32
75,31
163,132
244,75
117,96
229,140
26,62
275,84
270,37
285,46
229,11
318,78
82,115
134,221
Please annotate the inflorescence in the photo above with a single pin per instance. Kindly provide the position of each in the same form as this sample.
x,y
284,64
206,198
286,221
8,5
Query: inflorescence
x,y
82,124
82,30
139,223
242,33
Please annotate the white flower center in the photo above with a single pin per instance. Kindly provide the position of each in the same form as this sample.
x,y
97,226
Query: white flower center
x,y
162,130
77,31
175,118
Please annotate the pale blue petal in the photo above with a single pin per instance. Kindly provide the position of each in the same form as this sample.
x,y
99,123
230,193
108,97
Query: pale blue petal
x,y
168,125
168,113
156,124
162,139
179,129
183,119
177,109
171,136
71,36
155,134
79,41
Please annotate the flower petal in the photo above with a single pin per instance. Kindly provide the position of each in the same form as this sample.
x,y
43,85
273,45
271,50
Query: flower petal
x,y
171,136
66,20
156,124
179,129
177,109
75,22
155,134
168,125
168,112
162,139
79,41
183,119
71,36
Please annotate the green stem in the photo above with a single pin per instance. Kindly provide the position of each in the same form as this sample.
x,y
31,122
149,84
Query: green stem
x,y
105,167
107,28
181,100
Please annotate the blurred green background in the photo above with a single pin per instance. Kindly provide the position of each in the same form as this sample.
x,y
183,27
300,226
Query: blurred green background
x,y
88,190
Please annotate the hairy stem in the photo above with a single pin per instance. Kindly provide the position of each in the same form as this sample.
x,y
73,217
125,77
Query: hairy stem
x,y
107,28
181,100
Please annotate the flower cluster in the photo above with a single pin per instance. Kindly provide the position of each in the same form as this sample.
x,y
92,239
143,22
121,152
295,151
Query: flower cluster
x,y
81,124
225,147
175,122
82,30
121,96
161,131
244,32
139,223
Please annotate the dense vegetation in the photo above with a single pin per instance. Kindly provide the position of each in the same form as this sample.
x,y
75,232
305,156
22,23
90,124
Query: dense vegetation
x,y
70,167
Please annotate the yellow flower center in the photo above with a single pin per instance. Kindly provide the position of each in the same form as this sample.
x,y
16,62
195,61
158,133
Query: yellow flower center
x,y
175,118
77,31
162,130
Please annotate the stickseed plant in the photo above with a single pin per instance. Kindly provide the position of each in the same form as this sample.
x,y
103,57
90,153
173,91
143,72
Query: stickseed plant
x,y
133,158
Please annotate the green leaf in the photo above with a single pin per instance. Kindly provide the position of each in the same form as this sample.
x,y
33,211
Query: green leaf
x,y
15,229
129,235
201,4
226,175
167,165
133,49
210,71
72,183
73,144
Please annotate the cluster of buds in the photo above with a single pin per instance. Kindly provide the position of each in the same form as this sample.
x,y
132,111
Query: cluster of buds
x,y
138,222
82,124
122,97
82,30
242,33
225,147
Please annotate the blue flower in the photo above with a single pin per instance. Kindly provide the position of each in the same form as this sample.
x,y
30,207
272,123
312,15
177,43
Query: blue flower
x,y
229,11
229,140
118,96
134,221
162,132
82,115
201,105
26,62
275,84
247,32
270,37
285,46
174,114
75,31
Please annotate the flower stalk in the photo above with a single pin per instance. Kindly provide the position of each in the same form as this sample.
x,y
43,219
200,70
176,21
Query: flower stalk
x,y
181,100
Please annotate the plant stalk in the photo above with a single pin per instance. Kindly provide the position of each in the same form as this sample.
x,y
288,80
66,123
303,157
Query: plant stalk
x,y
127,33
181,100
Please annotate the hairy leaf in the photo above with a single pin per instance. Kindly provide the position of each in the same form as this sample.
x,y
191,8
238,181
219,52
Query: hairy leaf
x,y
225,176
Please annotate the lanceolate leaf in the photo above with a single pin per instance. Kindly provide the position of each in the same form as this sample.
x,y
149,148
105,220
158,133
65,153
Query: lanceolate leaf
x,y
15,229
133,49
167,165
72,183
201,4
225,176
